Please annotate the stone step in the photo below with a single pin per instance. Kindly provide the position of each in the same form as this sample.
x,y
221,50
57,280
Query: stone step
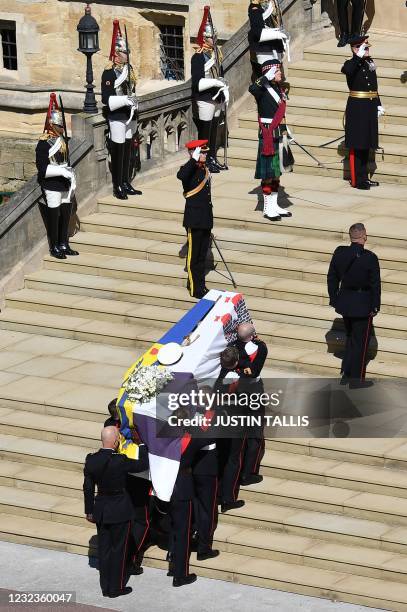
x,y
40,478
385,58
262,309
248,282
385,453
346,530
57,429
384,172
301,86
321,107
331,71
164,202
328,128
320,498
333,472
42,452
394,152
377,577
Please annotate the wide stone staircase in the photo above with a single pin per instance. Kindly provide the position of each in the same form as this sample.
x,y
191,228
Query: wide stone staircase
x,y
330,517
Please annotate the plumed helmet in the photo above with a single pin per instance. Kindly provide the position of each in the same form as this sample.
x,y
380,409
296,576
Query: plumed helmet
x,y
56,118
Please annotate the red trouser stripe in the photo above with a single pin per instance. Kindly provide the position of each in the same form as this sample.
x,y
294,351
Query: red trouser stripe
x,y
257,461
352,167
189,540
363,366
239,470
125,555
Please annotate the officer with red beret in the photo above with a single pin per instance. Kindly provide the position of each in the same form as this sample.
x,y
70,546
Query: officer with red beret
x,y
198,215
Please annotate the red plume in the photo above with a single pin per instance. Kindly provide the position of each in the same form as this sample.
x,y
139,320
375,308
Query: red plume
x,y
200,37
53,104
116,31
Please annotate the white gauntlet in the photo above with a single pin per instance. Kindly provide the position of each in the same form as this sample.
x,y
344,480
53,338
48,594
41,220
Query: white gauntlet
x,y
205,84
116,102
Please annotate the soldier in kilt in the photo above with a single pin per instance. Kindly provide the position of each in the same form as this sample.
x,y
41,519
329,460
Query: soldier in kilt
x,y
274,156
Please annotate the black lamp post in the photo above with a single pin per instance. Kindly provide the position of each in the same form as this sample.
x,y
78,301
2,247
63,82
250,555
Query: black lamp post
x,y
88,29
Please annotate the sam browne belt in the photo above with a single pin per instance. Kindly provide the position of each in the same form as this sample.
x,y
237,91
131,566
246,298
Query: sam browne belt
x,y
364,94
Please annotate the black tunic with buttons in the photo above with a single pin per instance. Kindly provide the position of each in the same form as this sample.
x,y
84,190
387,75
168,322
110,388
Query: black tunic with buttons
x,y
256,26
198,208
361,124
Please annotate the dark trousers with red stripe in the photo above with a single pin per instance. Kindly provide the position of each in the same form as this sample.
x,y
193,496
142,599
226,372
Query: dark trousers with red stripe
x,y
180,537
358,333
139,489
206,509
231,452
358,162
253,455
113,552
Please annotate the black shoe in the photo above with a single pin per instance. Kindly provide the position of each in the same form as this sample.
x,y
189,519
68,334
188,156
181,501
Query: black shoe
x,y
277,218
66,248
177,582
225,506
210,554
365,186
345,380
119,192
136,570
57,253
212,166
249,480
373,183
221,166
129,189
343,40
124,591
360,384
286,213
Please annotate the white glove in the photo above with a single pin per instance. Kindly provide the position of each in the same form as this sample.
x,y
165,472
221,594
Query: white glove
x,y
268,11
195,155
362,50
54,170
272,34
225,91
271,73
133,101
116,102
205,84
380,111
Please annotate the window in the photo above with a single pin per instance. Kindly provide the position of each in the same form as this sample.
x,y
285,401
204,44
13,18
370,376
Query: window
x,y
172,52
9,44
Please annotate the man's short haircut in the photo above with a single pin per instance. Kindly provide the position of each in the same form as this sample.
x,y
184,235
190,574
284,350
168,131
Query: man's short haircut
x,y
228,357
112,408
245,331
356,231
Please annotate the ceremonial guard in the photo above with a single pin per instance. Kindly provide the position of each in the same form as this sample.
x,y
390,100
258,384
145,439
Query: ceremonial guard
x,y
209,89
354,291
346,32
274,156
267,39
119,98
362,112
57,181
198,215
111,509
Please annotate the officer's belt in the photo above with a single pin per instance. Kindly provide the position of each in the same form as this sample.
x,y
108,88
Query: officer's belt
x,y
110,491
189,194
364,94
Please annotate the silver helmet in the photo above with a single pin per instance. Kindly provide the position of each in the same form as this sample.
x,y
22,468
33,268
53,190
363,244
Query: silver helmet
x,y
56,118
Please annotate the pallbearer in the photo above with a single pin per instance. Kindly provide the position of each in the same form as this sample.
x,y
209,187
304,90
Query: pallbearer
x,y
119,98
198,215
362,111
274,155
209,88
267,39
57,181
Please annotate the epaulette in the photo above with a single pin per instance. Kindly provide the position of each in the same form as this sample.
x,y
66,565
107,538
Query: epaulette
x,y
45,136
109,66
199,50
257,82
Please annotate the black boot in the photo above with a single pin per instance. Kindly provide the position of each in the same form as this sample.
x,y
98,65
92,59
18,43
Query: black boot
x,y
117,158
343,40
204,131
52,216
63,231
213,145
128,188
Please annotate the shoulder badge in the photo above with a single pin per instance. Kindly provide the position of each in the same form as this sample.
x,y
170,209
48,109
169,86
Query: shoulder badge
x,y
45,136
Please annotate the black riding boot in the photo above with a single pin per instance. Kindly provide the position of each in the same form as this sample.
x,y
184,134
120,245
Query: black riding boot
x,y
126,170
52,216
213,145
63,233
117,159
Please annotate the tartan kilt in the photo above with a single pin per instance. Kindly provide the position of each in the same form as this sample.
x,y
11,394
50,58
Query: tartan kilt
x,y
267,167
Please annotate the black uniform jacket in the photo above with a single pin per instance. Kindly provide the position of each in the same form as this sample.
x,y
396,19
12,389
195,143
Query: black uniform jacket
x,y
257,364
198,61
256,25
184,485
198,212
266,104
109,77
356,292
361,124
57,183
108,470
